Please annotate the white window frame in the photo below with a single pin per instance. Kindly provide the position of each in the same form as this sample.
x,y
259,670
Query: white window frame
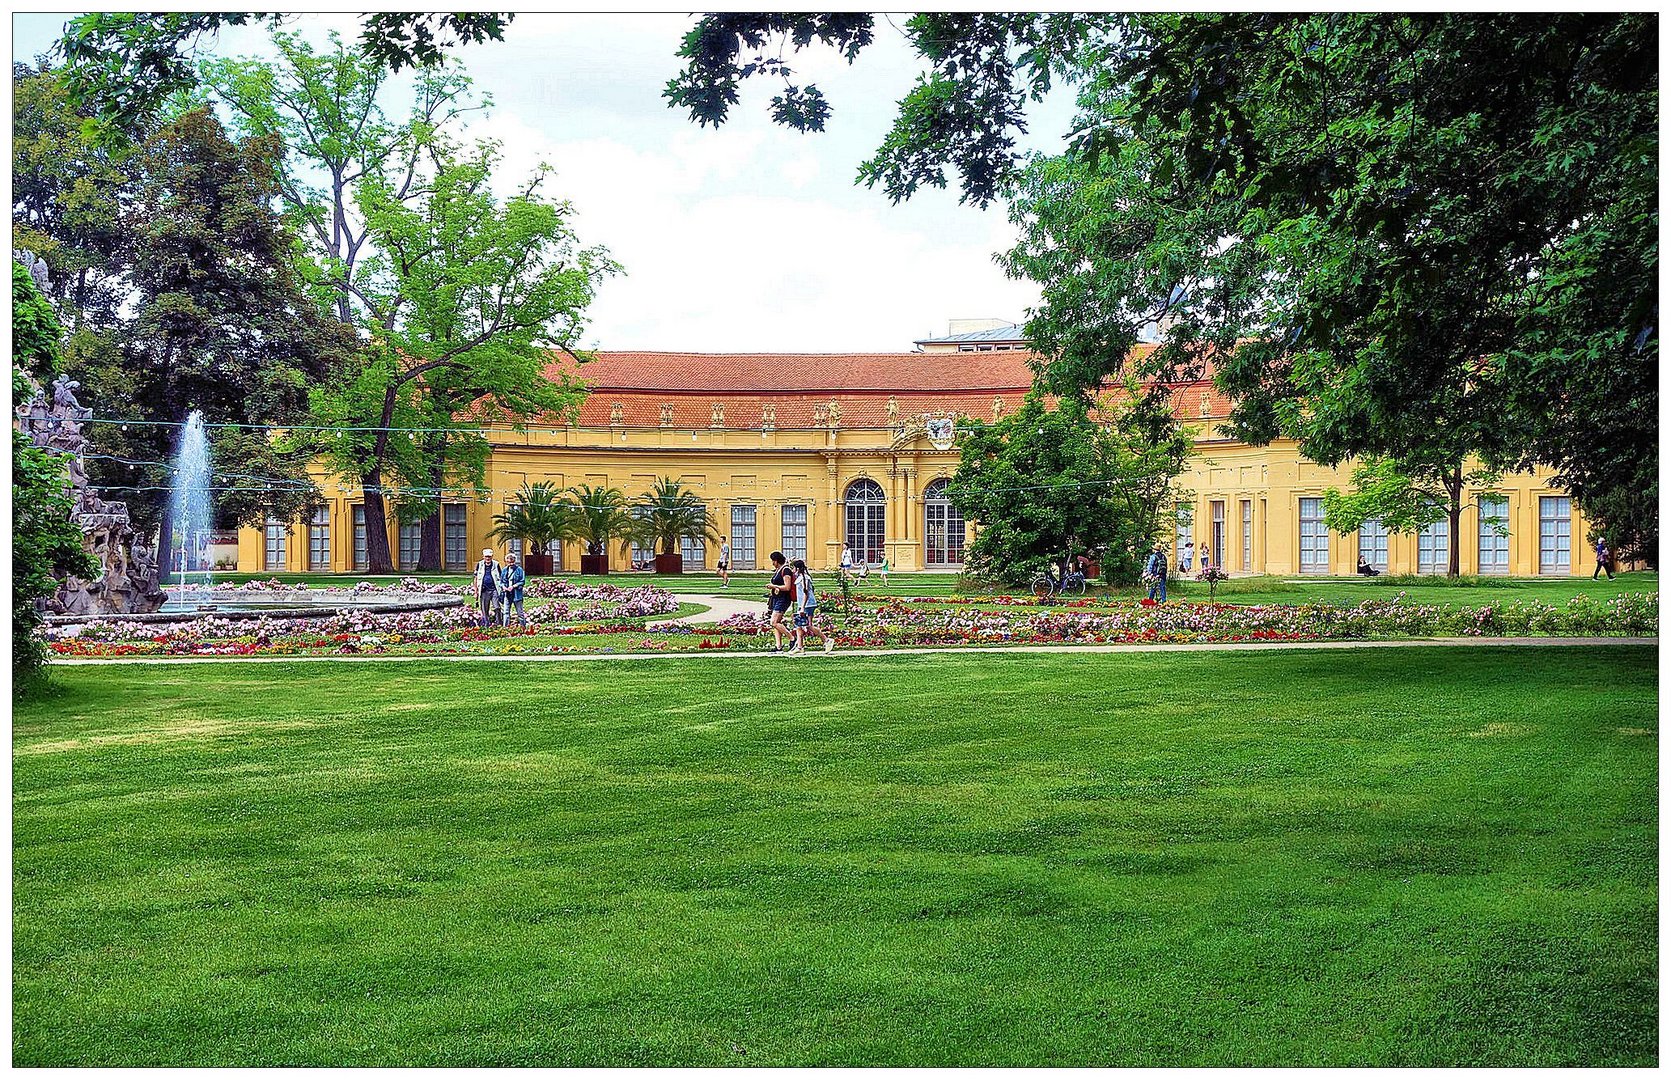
x,y
410,547
1554,534
455,536
277,549
1374,544
944,529
1433,548
319,539
743,536
362,554
865,519
793,519
1494,534
1314,537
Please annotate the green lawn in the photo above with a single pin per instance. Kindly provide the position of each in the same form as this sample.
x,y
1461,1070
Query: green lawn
x,y
1433,856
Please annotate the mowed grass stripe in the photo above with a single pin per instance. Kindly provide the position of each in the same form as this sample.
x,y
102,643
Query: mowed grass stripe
x,y
1418,856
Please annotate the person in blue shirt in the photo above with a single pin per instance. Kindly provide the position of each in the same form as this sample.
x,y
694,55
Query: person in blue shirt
x,y
511,581
1156,568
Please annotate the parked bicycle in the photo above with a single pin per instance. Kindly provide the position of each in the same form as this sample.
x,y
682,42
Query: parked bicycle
x,y
1047,584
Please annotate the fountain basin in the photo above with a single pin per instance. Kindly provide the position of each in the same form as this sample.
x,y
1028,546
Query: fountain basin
x,y
303,603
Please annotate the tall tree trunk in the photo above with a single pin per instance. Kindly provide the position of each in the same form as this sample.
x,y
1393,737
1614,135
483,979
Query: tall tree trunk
x,y
377,525
1453,487
429,543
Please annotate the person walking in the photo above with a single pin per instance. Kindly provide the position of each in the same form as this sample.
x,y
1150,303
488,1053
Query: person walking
x,y
882,571
1155,571
846,558
806,619
1186,561
513,578
1604,559
725,563
488,583
781,594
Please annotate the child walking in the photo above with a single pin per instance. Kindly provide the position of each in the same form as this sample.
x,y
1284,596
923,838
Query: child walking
x,y
806,614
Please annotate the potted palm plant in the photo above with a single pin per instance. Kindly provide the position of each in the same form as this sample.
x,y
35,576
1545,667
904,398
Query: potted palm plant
x,y
669,514
539,516
598,515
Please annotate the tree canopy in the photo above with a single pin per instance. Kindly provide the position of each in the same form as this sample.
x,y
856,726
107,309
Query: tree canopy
x,y
124,65
1426,237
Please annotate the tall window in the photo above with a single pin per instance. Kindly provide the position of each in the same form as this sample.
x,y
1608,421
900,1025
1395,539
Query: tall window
x,y
1494,534
1314,538
361,558
513,546
319,539
1433,548
943,528
1247,535
637,552
694,551
453,540
1372,543
794,532
742,538
1218,535
1186,533
276,534
411,544
1554,534
866,517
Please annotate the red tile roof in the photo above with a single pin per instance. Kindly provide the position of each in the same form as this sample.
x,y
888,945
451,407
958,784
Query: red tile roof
x,y
810,372
801,386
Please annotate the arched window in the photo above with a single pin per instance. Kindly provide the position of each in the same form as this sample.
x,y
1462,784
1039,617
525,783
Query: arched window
x,y
943,530
866,513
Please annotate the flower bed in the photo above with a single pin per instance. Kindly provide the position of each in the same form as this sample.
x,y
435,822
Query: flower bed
x,y
605,626
603,610
918,622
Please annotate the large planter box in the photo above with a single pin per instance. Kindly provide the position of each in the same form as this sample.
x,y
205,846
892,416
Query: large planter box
x,y
670,564
537,565
594,564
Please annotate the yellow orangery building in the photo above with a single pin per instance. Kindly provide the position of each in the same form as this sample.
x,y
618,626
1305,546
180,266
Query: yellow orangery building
x,y
805,452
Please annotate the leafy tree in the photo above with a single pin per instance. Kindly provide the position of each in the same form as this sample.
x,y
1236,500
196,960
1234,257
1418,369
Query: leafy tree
x,y
1368,219
47,544
1045,483
539,516
464,290
1405,502
68,192
126,64
600,515
967,111
218,324
670,513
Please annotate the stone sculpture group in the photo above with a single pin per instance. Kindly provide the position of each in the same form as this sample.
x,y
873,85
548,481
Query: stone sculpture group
x,y
130,581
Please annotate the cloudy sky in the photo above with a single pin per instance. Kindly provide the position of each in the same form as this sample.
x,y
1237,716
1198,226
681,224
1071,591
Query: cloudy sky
x,y
750,238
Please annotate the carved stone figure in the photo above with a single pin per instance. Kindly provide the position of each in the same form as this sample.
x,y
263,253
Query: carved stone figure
x,y
615,415
129,580
667,416
768,417
997,409
893,411
820,415
717,416
835,413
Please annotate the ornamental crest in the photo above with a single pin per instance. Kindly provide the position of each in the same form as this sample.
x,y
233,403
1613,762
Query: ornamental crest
x,y
941,432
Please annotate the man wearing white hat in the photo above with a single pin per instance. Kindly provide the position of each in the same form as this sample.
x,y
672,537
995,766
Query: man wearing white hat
x,y
488,583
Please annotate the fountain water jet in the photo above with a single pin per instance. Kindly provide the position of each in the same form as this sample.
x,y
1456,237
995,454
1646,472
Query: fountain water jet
x,y
193,513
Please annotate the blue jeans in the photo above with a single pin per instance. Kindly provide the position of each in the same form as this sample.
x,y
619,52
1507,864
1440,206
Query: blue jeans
x,y
1161,589
516,603
488,598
